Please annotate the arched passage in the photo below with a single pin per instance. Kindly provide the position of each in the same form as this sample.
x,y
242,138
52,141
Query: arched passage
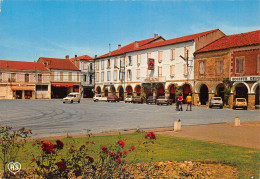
x,y
172,91
138,90
129,90
105,90
186,90
98,90
241,91
257,95
160,90
204,94
120,90
112,90
219,90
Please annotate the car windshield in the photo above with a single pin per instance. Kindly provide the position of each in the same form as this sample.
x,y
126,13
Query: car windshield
x,y
216,99
161,97
71,95
129,96
241,100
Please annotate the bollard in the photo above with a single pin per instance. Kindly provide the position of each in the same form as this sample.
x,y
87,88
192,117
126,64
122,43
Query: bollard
x,y
177,125
237,121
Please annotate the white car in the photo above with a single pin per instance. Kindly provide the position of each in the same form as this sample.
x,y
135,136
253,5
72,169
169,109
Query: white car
x,y
99,97
72,97
129,99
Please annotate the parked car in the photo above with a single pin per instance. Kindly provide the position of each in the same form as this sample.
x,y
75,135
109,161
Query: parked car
x,y
240,103
72,97
216,102
112,98
151,100
99,97
129,99
163,100
138,99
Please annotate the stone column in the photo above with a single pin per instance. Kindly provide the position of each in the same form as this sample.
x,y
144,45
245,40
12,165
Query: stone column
x,y
251,101
230,100
167,94
196,99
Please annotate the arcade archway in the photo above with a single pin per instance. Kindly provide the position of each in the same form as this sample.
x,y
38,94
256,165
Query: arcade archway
x,y
204,94
138,90
160,90
98,90
172,91
129,90
120,90
186,90
241,91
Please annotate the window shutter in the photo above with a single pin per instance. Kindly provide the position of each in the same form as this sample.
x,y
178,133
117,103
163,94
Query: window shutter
x,y
148,73
148,55
241,65
138,59
160,56
172,54
160,71
137,73
185,69
126,61
172,70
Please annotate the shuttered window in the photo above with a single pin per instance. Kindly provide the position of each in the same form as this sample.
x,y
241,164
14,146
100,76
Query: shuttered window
x,y
148,73
185,69
115,75
202,67
115,62
160,55
85,66
129,75
149,55
159,71
102,76
172,70
102,65
97,77
137,73
138,59
97,65
173,54
239,64
126,61
219,66
108,76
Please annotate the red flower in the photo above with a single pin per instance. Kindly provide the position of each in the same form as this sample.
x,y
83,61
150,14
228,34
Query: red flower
x,y
119,160
33,144
132,147
48,147
72,151
150,135
62,165
90,159
104,149
119,154
130,150
33,159
125,152
87,143
112,154
67,143
121,143
59,144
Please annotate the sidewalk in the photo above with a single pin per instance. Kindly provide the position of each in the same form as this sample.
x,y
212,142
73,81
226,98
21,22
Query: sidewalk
x,y
245,135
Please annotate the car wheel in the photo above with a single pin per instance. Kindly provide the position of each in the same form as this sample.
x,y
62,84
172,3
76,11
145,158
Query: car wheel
x,y
245,108
221,107
78,101
63,102
71,101
97,100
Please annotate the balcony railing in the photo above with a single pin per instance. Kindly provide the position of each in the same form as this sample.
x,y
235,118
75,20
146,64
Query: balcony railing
x,y
153,79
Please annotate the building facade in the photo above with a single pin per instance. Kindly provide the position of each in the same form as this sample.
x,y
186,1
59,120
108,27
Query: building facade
x,y
234,58
23,80
87,76
130,72
64,76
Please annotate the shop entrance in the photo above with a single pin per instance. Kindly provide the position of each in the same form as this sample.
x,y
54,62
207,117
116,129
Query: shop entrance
x,y
121,93
59,92
186,91
220,91
160,90
257,96
204,94
88,93
18,94
172,93
129,90
138,90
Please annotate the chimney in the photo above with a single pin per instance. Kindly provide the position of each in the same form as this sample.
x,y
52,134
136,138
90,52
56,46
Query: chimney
x,y
119,46
136,44
156,36
95,56
76,57
67,57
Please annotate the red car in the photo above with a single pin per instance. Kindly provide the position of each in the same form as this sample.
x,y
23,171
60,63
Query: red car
x,y
112,98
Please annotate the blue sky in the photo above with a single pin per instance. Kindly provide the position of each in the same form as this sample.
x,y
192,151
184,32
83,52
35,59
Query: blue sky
x,y
30,29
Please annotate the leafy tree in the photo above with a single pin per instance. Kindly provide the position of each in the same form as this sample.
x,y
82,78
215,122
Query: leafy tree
x,y
227,89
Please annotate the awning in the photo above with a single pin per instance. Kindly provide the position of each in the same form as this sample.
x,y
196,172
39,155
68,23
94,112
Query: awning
x,y
23,88
62,84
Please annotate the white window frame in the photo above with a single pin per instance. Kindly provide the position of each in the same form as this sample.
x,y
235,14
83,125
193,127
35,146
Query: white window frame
x,y
108,76
115,75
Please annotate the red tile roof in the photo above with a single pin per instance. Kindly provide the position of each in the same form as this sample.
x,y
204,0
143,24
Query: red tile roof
x,y
58,63
83,58
237,40
129,47
18,65
175,40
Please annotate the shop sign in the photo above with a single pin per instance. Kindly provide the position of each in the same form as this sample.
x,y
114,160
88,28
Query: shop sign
x,y
150,64
108,83
246,78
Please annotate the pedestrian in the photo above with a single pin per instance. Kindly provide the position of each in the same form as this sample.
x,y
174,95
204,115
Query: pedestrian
x,y
189,101
177,103
180,99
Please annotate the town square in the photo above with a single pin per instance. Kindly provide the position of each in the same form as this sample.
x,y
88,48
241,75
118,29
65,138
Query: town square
x,y
129,89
